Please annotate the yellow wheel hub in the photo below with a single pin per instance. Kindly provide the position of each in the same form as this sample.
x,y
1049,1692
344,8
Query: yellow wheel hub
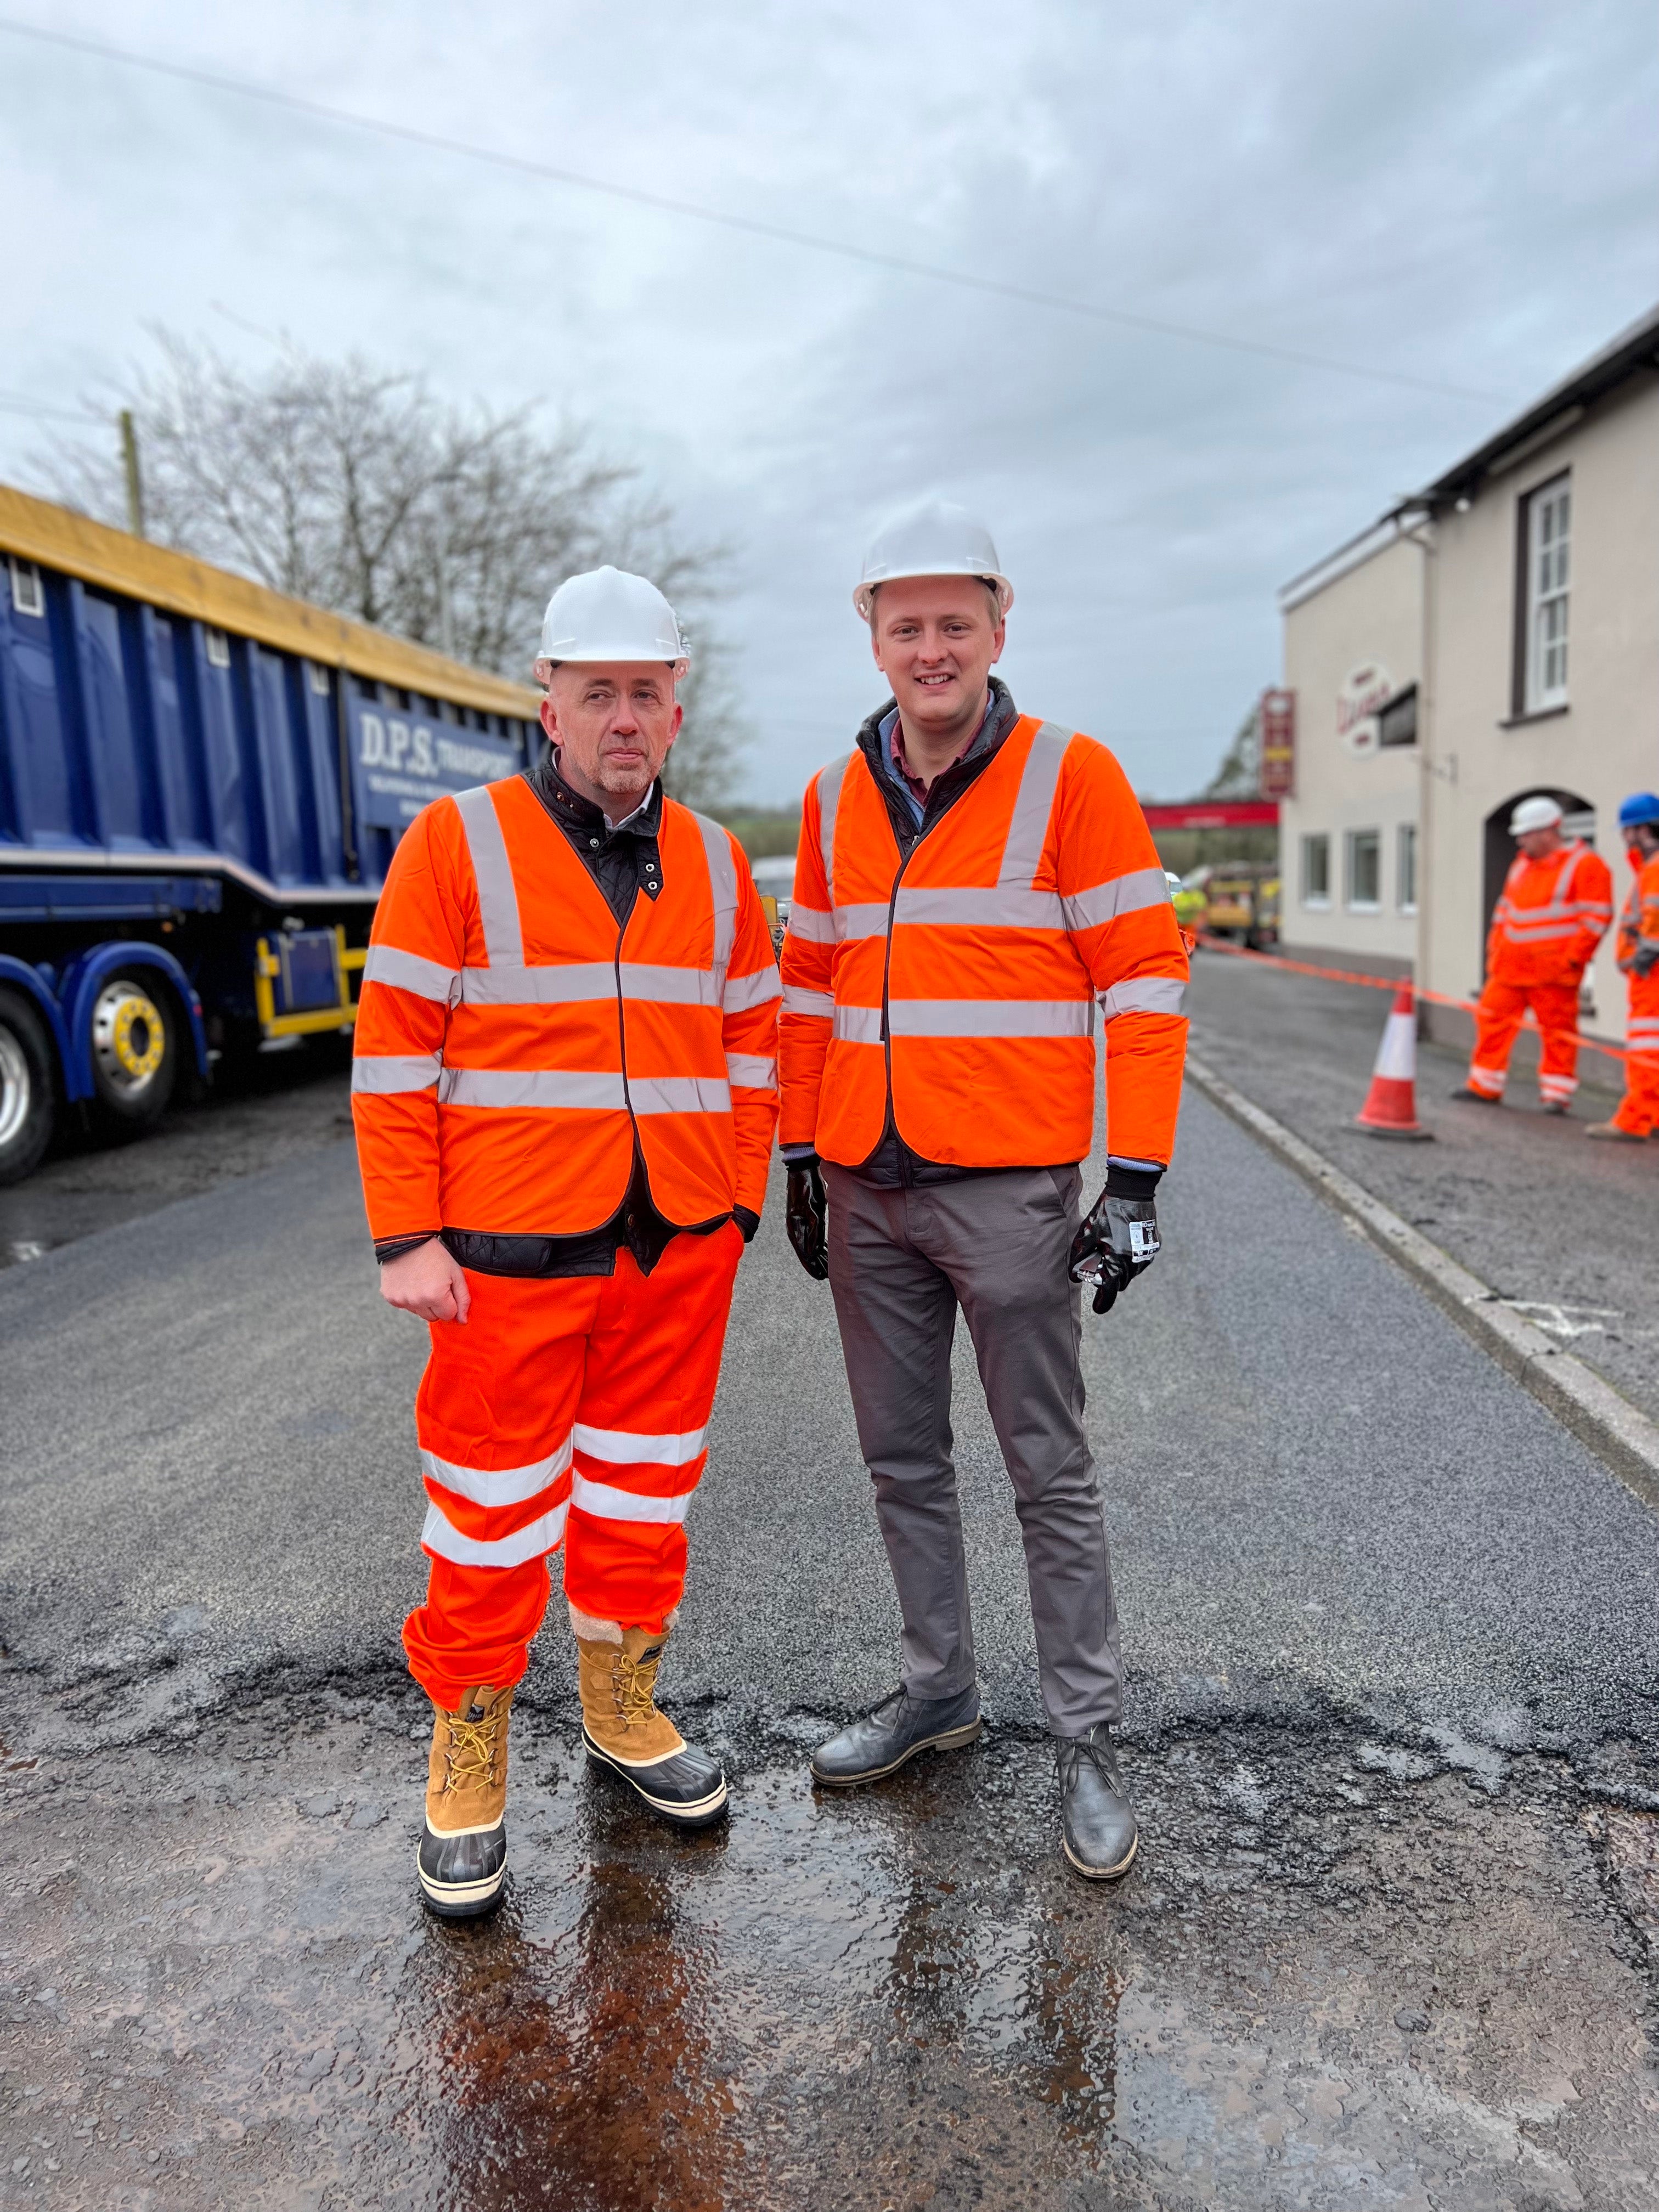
x,y
137,1037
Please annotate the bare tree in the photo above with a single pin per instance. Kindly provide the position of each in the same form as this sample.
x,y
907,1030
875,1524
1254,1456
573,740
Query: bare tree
x,y
1237,776
346,485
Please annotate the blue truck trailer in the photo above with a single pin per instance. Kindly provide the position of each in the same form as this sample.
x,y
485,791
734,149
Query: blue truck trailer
x,y
201,785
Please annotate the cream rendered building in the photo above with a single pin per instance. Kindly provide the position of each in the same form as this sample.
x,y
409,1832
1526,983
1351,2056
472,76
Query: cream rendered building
x,y
1495,636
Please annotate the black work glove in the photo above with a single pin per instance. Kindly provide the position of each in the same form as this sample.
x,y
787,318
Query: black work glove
x,y
806,1216
1117,1242
1645,958
747,1223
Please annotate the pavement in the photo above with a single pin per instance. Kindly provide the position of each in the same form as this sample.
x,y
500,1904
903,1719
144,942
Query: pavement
x,y
1562,1226
1394,1701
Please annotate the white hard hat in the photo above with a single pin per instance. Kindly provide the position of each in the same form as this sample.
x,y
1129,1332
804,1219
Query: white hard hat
x,y
607,615
932,538
1534,814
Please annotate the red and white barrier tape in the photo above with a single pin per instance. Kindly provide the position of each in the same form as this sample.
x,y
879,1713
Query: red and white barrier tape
x,y
1381,983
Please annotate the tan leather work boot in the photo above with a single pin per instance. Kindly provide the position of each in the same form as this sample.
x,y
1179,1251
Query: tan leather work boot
x,y
623,1730
462,1861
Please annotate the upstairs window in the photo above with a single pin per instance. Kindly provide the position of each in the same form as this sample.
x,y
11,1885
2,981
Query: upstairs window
x,y
28,594
1316,869
1547,532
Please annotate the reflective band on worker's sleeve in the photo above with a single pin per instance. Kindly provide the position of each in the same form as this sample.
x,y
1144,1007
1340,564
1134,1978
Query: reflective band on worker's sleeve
x,y
542,1535
625,1447
820,1004
988,1018
811,928
498,1485
1132,894
386,1071
744,993
751,1071
856,922
831,780
1143,995
723,883
498,897
977,907
1034,802
857,1025
607,1503
679,1093
408,971
509,1087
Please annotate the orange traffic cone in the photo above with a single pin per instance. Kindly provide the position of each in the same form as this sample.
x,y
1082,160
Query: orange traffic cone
x,y
1390,1106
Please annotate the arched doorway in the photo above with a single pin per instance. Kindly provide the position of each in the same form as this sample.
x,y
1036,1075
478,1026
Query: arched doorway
x,y
1578,820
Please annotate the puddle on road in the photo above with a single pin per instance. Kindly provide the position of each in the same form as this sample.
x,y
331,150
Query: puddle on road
x,y
1333,1981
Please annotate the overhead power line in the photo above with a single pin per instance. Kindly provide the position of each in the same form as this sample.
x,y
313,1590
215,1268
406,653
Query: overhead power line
x,y
753,226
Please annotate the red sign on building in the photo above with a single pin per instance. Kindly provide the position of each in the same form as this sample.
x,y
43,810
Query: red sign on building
x,y
1276,772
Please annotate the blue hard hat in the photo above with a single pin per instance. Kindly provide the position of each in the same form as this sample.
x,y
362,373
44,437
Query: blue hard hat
x,y
1641,806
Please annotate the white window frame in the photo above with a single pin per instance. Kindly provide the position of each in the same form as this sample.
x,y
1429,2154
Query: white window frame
x,y
1549,582
1405,866
1316,902
29,593
1350,849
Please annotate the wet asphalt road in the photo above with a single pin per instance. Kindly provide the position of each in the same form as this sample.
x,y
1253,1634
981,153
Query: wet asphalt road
x,y
1394,1696
1567,1228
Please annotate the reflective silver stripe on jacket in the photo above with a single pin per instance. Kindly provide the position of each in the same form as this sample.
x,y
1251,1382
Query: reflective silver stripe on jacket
x,y
744,992
829,783
574,982
981,907
409,971
723,888
388,1072
680,1094
819,1004
1144,994
599,1093
868,919
751,1071
498,897
1034,802
1127,893
811,927
855,1024
989,1018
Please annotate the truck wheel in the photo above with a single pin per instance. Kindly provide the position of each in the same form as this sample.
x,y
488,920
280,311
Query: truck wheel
x,y
135,1052
27,1093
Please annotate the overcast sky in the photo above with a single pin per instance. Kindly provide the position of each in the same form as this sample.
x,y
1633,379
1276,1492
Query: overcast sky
x,y
1464,192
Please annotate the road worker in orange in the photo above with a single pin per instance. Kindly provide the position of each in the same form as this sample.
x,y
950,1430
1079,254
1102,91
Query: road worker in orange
x,y
565,1090
977,898
1556,904
1637,1116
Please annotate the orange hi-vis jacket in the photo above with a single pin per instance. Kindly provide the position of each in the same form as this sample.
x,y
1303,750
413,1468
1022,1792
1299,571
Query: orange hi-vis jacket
x,y
1553,914
512,1041
1640,916
961,981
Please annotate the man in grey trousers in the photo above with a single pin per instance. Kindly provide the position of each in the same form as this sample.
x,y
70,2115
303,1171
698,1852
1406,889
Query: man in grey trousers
x,y
976,892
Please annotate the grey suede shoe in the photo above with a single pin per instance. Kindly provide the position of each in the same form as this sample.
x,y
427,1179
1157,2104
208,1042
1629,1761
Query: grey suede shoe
x,y
898,1729
1098,1822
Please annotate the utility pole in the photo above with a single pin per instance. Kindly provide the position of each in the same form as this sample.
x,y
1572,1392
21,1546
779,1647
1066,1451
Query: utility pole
x,y
135,482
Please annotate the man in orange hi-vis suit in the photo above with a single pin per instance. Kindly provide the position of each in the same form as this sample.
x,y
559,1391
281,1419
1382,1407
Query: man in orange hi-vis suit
x,y
977,897
1556,904
1637,1116
565,1090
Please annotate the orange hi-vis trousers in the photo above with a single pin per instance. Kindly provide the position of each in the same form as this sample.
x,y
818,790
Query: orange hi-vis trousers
x,y
1497,1019
1638,1110
572,1410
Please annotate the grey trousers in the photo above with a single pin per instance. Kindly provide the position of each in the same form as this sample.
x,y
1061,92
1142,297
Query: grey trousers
x,y
901,1262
